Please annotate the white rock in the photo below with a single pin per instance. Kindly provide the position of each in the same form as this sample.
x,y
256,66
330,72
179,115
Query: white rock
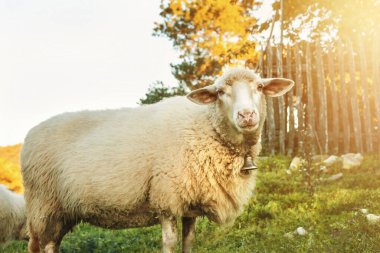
x,y
335,177
364,211
300,231
373,218
295,164
333,159
351,160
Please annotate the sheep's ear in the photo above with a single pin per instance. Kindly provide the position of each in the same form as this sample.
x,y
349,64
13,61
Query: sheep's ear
x,y
275,87
203,96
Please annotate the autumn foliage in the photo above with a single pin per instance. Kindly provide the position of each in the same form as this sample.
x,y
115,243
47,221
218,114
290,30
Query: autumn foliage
x,y
10,174
212,34
209,34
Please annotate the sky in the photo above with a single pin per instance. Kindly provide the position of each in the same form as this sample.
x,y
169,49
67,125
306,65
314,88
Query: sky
x,y
59,56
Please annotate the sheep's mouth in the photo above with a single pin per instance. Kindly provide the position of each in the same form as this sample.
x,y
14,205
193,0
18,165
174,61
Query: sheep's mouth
x,y
249,127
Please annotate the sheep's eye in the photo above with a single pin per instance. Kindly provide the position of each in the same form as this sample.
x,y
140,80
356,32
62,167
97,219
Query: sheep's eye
x,y
260,87
221,92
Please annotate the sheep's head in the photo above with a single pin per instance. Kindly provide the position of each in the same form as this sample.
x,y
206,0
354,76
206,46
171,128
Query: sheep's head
x,y
240,97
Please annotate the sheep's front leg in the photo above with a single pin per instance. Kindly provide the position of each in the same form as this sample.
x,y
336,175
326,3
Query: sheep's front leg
x,y
188,233
169,233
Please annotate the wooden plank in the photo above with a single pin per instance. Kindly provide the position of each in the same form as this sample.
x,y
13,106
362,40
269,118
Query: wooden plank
x,y
376,85
299,94
322,117
334,136
270,111
290,121
281,104
310,99
260,71
366,108
353,95
344,105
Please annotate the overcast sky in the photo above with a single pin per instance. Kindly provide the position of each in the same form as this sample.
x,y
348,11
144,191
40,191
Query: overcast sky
x,y
58,56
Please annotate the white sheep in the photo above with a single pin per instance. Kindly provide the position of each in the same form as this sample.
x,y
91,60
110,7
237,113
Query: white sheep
x,y
12,216
148,165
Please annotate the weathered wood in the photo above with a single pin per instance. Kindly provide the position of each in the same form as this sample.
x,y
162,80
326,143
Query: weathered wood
x,y
310,99
344,104
342,112
366,108
299,94
376,86
270,111
334,137
322,116
290,121
260,70
353,94
281,104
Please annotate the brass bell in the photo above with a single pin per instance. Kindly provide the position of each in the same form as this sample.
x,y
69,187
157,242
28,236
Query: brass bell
x,y
248,164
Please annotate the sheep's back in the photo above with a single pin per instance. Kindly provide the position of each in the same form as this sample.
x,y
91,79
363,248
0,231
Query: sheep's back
x,y
102,159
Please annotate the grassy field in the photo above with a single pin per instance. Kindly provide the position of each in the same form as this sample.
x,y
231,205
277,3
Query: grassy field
x,y
331,216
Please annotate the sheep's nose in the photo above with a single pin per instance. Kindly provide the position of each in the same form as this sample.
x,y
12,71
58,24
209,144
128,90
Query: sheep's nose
x,y
246,115
247,118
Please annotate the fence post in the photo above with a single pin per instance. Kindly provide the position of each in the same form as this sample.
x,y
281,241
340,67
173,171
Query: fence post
x,y
270,111
334,101
366,108
353,94
321,91
260,72
290,122
376,85
310,99
299,95
344,105
281,103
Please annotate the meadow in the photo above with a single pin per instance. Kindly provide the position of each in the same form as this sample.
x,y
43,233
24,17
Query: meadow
x,y
283,202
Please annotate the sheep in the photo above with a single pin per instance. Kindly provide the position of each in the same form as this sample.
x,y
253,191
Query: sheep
x,y
12,216
180,158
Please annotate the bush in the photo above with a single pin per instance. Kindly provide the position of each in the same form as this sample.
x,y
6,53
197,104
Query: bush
x,y
10,174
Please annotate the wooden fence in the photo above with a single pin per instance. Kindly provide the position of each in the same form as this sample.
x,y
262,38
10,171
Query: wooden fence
x,y
336,96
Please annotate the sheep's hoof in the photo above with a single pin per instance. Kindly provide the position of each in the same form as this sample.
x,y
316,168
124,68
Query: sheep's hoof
x,y
51,248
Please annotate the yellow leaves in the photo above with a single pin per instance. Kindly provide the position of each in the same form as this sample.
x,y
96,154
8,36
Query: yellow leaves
x,y
209,34
218,49
222,17
177,7
10,174
221,14
210,21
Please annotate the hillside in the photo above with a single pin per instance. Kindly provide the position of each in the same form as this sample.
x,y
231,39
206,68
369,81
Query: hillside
x,y
10,167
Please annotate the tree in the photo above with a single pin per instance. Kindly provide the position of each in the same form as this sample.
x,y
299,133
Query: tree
x,y
10,174
209,34
159,91
328,20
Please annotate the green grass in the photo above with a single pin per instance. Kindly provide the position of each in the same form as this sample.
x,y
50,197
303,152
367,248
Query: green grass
x,y
280,205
